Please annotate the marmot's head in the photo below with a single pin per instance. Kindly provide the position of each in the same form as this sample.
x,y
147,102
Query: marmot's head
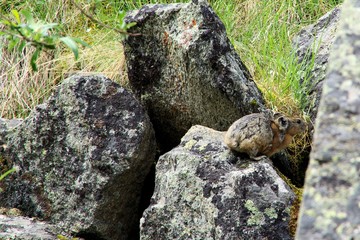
x,y
296,125
291,126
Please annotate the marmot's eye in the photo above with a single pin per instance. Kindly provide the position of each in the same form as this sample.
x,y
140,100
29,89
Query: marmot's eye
x,y
283,120
299,121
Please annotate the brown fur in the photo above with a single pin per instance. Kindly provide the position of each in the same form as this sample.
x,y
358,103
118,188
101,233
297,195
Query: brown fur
x,y
296,126
260,134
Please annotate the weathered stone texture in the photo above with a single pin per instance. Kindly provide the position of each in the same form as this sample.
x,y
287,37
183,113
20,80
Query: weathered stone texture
x,y
83,156
313,45
199,194
7,125
330,208
185,70
17,227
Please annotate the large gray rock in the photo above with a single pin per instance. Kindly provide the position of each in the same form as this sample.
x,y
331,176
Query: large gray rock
x,y
313,45
330,208
185,70
199,194
83,156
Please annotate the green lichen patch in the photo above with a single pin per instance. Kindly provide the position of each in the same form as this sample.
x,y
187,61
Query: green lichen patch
x,y
256,217
189,144
271,213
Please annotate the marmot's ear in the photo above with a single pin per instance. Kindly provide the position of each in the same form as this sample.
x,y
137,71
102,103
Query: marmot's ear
x,y
283,122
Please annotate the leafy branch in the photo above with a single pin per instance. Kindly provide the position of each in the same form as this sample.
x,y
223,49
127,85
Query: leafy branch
x,y
39,35
123,27
44,36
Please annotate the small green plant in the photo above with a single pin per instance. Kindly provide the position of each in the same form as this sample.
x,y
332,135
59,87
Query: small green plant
x,y
37,34
61,237
2,176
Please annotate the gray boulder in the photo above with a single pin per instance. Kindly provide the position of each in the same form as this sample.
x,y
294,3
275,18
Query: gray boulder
x,y
83,156
312,46
185,70
330,207
200,194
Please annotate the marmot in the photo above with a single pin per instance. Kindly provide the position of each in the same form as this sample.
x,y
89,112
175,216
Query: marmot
x,y
284,130
264,133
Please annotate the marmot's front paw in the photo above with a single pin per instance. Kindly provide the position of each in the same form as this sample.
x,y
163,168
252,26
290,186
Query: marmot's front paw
x,y
259,158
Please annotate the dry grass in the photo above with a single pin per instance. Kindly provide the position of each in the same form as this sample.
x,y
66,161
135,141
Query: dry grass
x,y
22,89
107,59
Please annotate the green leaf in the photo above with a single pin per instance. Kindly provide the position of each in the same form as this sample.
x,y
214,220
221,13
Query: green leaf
x,y
28,16
78,40
6,22
37,37
12,43
7,173
34,57
16,15
122,23
34,27
50,42
130,25
21,46
45,27
68,41
122,14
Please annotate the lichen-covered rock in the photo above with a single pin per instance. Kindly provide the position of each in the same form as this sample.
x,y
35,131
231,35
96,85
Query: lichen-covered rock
x,y
330,207
82,157
313,45
185,70
7,125
23,228
199,194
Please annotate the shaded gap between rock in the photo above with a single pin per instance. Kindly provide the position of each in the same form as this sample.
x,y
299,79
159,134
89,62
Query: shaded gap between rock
x,y
89,236
294,168
146,194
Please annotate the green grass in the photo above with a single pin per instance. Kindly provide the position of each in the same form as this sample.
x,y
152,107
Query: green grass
x,y
260,30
